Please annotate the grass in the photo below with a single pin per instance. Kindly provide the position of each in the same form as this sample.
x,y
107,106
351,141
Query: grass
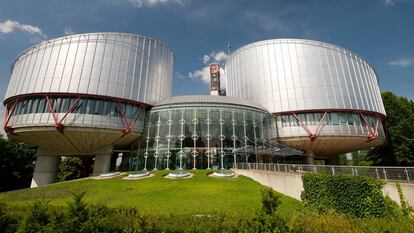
x,y
200,194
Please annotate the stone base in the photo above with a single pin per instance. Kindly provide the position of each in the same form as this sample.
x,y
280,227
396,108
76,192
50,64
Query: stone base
x,y
45,171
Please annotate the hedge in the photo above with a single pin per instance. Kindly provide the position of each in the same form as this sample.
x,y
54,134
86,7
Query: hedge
x,y
357,196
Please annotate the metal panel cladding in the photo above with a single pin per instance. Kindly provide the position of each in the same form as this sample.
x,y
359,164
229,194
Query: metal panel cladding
x,y
286,75
116,65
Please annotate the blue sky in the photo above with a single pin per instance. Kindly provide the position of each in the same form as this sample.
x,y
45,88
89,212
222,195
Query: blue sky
x,y
381,31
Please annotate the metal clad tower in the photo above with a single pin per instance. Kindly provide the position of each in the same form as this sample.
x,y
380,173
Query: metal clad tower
x,y
85,94
215,79
325,98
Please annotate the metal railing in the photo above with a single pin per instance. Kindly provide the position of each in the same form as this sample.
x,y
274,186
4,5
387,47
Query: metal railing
x,y
398,174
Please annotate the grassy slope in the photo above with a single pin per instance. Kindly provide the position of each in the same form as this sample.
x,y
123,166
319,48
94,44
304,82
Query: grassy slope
x,y
198,195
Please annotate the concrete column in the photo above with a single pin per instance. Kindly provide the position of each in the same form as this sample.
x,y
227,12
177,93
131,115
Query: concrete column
x,y
102,164
310,159
45,171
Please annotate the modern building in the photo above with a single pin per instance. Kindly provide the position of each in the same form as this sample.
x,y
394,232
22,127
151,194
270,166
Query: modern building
x,y
85,94
102,93
325,99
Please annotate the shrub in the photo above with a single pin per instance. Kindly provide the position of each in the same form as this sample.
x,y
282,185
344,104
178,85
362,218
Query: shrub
x,y
357,196
270,200
36,218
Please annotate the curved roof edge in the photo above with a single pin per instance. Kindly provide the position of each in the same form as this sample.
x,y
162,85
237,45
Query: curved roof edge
x,y
45,42
305,41
206,99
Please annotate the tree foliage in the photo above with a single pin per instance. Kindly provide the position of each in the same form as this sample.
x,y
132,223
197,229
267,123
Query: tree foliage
x,y
75,167
16,164
400,126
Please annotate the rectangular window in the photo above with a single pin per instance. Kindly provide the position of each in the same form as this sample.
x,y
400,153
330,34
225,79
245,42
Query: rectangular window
x,y
64,107
343,119
285,121
334,118
41,105
317,117
357,119
56,105
310,120
293,121
350,118
90,107
34,105
96,109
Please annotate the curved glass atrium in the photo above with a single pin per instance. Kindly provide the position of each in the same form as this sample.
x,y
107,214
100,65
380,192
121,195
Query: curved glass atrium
x,y
202,133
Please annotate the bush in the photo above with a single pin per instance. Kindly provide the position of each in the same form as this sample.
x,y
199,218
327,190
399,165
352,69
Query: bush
x,y
8,222
79,216
270,200
36,218
357,196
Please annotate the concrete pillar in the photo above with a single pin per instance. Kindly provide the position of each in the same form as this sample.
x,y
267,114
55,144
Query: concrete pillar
x,y
310,159
102,164
45,171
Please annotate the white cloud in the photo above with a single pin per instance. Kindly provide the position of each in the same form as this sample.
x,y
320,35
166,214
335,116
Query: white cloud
x,y
393,2
152,3
389,2
9,26
179,75
266,22
403,62
206,59
215,57
68,31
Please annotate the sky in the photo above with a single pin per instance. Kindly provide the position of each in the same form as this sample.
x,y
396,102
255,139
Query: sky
x,y
199,31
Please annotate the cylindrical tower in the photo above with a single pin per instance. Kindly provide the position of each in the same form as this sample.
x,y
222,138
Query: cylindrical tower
x,y
325,98
85,94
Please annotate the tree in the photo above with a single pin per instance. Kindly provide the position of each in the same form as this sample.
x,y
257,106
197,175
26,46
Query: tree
x,y
16,164
75,167
400,126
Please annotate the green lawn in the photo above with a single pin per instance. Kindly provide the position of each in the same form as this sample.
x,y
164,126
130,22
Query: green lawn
x,y
200,194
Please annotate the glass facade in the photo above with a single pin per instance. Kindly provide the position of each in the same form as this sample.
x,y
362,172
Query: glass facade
x,y
338,123
86,112
199,136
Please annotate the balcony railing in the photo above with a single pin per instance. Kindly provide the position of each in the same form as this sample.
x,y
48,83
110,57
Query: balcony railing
x,y
397,174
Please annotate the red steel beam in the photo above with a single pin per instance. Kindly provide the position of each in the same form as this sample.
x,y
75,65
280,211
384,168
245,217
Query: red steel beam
x,y
319,126
131,126
303,125
70,109
58,123
312,135
373,133
9,113
52,110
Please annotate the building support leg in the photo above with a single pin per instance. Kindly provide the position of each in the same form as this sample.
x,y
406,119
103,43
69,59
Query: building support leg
x,y
310,159
102,164
45,171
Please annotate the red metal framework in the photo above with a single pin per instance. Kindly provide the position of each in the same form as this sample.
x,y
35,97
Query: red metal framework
x,y
7,116
59,122
312,135
128,126
373,133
